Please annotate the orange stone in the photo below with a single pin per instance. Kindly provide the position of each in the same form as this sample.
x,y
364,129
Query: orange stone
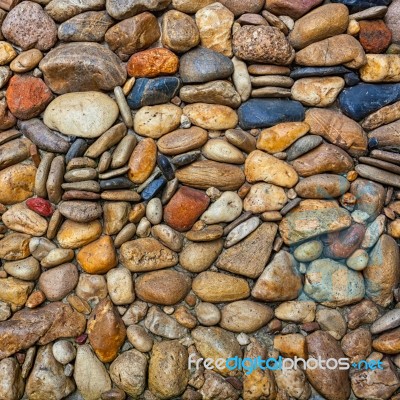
x,y
142,161
27,96
153,62
185,208
106,331
99,256
374,36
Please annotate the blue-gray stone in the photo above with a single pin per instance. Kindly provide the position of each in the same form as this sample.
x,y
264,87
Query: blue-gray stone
x,y
318,71
153,188
358,5
351,79
148,92
361,100
186,158
116,183
262,113
303,146
165,167
204,65
77,149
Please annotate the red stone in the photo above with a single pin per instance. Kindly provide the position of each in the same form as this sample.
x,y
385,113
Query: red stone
x,y
41,206
374,36
185,208
344,243
81,339
27,96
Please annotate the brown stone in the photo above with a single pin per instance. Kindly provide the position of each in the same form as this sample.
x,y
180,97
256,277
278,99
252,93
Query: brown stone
x,y
99,256
133,34
324,158
106,331
362,313
185,207
291,345
102,62
73,235
142,161
292,9
374,36
322,186
182,140
15,246
357,344
152,63
166,287
14,152
337,129
17,183
333,384
15,292
388,342
344,243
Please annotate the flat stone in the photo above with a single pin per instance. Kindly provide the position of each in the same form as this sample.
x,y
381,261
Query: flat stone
x,y
340,49
27,26
249,257
120,9
261,166
264,44
162,324
303,146
152,63
21,219
61,10
215,287
13,152
357,5
142,161
361,100
179,31
322,186
146,254
162,287
383,116
262,113
388,321
182,140
90,26
147,92
272,80
103,63
313,218
73,235
378,175
324,158
381,275
98,257
80,211
293,10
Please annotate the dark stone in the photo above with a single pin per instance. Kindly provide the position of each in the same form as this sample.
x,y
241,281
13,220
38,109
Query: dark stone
x,y
153,188
351,79
147,92
116,183
77,149
262,113
358,5
318,71
204,65
303,146
186,158
44,138
165,167
361,100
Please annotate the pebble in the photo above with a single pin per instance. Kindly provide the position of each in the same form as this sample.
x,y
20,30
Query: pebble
x,y
376,12
162,324
139,338
225,209
322,186
241,79
391,18
378,175
308,251
21,219
120,286
56,257
264,197
285,7
197,257
154,188
374,36
381,68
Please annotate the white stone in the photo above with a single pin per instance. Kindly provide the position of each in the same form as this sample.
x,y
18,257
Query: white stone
x,y
154,211
241,231
64,351
227,208
241,79
120,286
373,232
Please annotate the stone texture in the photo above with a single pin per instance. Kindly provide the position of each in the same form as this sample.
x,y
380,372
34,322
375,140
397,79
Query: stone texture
x,y
142,161
391,19
322,186
61,10
374,36
73,235
121,9
12,383
293,10
381,68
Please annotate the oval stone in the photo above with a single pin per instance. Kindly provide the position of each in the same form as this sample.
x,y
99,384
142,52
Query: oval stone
x,y
142,161
182,141
322,186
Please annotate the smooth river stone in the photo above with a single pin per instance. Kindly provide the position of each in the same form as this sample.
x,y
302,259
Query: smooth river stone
x,y
122,9
324,158
312,218
13,152
148,92
75,60
383,116
361,100
249,257
146,254
142,161
292,9
322,186
358,5
381,68
340,49
182,141
303,146
337,129
261,166
17,183
323,22
378,175
21,219
203,65
205,174
387,135
311,72
82,114
222,151
80,211
333,284
382,272
262,113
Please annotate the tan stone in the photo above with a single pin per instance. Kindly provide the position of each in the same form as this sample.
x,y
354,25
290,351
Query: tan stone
x,y
15,292
73,235
296,311
381,68
15,246
142,161
264,197
291,345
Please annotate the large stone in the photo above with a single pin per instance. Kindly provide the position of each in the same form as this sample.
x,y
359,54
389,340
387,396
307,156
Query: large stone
x,y
382,272
106,331
292,9
392,18
333,284
13,152
323,22
12,383
27,26
280,280
337,129
146,254
17,183
61,10
250,256
73,235
313,218
264,44
381,68
75,59
370,197
133,34
374,36
333,384
47,378
122,9
340,49
322,186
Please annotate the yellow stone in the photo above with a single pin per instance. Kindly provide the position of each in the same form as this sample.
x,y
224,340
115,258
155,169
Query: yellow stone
x,y
381,68
7,53
77,234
